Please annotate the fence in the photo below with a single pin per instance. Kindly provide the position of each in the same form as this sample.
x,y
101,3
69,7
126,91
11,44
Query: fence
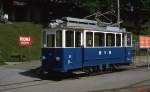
x,y
140,56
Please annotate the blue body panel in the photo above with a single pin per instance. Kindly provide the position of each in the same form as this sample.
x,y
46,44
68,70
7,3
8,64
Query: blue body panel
x,y
49,61
98,56
75,58
72,58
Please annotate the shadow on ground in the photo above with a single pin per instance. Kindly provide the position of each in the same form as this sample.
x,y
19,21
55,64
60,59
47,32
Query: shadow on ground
x,y
54,76
57,76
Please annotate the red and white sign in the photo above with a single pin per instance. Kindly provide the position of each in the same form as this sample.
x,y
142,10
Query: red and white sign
x,y
144,41
25,40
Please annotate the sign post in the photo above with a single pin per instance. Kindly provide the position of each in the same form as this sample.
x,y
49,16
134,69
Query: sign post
x,y
25,41
148,62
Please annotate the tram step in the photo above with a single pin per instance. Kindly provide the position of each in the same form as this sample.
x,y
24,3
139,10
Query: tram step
x,y
79,72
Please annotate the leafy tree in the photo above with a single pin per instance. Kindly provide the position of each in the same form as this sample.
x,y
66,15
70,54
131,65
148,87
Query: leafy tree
x,y
96,5
135,13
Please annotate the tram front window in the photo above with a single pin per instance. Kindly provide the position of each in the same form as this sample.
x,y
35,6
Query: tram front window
x,y
44,38
69,39
50,40
59,38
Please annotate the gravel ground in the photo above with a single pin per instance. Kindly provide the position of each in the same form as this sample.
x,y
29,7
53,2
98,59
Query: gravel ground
x,y
16,78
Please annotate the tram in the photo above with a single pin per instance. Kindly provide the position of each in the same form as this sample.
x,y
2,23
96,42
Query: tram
x,y
70,44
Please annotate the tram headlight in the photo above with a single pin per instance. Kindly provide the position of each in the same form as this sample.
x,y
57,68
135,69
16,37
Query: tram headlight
x,y
57,58
43,57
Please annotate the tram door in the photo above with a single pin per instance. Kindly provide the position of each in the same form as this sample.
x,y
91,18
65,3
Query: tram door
x,y
73,52
79,47
127,42
79,43
129,45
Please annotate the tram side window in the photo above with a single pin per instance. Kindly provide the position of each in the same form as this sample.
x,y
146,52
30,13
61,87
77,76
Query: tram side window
x,y
77,39
128,39
69,39
59,38
110,39
98,39
89,39
118,40
50,40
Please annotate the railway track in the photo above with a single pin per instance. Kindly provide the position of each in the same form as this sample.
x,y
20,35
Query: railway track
x,y
24,84
53,79
129,88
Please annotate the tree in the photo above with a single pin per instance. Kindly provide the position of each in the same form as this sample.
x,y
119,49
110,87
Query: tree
x,y
96,5
135,13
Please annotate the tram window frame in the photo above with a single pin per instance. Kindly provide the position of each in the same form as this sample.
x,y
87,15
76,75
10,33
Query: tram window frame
x,y
89,39
50,40
69,39
59,38
109,41
100,40
118,40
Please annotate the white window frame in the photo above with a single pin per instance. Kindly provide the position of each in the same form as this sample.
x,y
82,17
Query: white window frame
x,y
94,39
106,39
74,39
51,33
121,40
63,38
105,35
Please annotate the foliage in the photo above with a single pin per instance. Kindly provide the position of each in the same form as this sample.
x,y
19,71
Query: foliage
x,y
2,63
9,34
134,12
96,5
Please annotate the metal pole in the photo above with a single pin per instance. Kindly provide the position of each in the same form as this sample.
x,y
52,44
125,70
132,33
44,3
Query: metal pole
x,y
148,64
118,21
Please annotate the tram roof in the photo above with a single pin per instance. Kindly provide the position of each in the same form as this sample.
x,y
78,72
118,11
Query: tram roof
x,y
79,21
76,23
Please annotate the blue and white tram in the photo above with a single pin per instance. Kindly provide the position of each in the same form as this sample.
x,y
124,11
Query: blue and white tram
x,y
73,43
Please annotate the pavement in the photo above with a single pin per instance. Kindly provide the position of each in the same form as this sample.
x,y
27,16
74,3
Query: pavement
x,y
16,78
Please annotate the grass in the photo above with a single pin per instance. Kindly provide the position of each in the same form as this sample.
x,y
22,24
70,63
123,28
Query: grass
x,y
9,34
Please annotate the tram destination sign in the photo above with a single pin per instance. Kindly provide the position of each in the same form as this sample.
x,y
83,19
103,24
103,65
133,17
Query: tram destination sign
x,y
25,40
144,41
